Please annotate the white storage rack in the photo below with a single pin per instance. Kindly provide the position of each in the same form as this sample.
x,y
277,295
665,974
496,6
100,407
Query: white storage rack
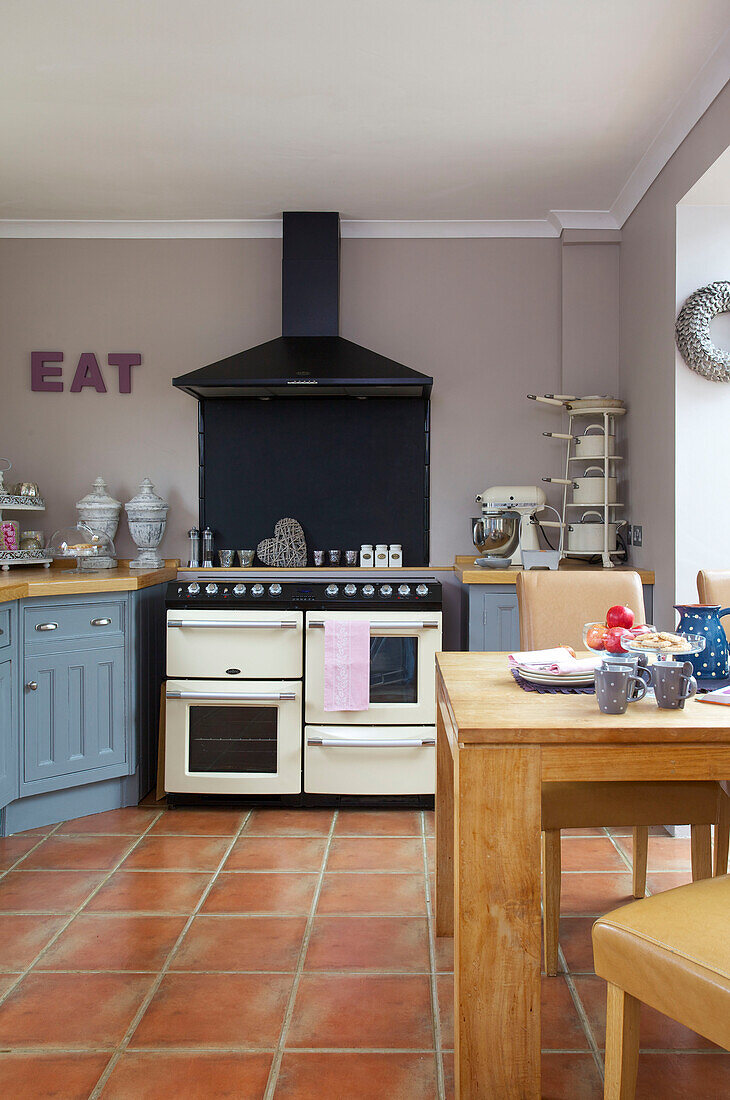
x,y
608,510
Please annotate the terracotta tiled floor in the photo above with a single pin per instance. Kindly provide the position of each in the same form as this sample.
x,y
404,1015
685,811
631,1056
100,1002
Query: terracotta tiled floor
x,y
283,954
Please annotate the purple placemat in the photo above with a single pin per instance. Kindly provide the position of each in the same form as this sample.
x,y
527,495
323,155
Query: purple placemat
x,y
545,689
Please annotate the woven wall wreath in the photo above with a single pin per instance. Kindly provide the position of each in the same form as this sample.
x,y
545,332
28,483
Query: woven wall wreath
x,y
693,332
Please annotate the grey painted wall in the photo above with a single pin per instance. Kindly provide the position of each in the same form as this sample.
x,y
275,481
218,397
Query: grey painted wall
x,y
647,373
482,316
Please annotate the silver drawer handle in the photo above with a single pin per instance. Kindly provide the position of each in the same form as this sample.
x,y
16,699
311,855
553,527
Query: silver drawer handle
x,y
46,626
235,697
100,622
378,625
32,685
217,624
365,743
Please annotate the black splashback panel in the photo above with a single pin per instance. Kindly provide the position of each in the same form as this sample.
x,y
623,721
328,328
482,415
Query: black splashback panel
x,y
350,470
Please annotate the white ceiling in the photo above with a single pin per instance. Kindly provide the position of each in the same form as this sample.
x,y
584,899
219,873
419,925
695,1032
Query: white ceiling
x,y
382,109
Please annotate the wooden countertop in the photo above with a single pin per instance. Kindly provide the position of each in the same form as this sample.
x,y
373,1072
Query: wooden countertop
x,y
468,573
20,584
487,706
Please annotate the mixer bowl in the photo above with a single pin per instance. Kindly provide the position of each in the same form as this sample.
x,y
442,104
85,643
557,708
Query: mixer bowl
x,y
497,536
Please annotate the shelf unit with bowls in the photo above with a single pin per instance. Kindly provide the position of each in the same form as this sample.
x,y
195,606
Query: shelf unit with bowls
x,y
596,452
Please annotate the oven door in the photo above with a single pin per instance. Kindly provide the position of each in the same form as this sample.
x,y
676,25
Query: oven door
x,y
403,648
370,760
235,644
223,738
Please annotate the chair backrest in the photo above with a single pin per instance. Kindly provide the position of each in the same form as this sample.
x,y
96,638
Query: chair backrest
x,y
713,586
555,605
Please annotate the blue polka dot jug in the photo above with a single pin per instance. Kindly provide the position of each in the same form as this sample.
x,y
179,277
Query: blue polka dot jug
x,y
713,663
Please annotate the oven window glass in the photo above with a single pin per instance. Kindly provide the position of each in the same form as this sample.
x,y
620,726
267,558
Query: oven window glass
x,y
232,739
393,670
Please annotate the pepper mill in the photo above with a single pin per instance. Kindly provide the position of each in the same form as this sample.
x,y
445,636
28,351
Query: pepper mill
x,y
207,548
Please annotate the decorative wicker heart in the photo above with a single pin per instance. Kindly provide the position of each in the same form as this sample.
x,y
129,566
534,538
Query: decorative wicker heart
x,y
287,548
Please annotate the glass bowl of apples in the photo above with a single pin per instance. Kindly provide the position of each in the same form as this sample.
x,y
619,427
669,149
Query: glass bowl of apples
x,y
615,633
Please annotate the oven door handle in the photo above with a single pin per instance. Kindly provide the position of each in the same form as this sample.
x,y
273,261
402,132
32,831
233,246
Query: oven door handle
x,y
238,696
218,624
371,743
378,624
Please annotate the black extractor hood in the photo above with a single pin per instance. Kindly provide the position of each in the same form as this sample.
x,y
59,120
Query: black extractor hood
x,y
310,358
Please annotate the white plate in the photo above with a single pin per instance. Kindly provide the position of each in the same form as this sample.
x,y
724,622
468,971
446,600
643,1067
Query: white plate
x,y
582,679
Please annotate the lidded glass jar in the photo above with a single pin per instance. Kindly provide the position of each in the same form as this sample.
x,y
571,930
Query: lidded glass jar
x,y
92,549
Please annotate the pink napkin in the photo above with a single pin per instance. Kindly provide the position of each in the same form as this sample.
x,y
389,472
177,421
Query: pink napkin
x,y
346,664
557,660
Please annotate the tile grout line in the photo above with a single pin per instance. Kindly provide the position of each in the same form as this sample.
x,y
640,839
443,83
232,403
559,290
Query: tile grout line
x,y
582,1014
126,1038
79,908
433,980
14,866
299,971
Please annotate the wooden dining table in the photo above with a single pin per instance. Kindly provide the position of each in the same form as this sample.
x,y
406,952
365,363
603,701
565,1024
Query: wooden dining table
x,y
496,745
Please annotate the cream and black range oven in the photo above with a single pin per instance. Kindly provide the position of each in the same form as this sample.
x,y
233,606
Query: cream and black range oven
x,y
245,687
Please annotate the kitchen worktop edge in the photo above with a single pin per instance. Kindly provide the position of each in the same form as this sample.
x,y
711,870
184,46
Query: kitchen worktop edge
x,y
21,584
468,573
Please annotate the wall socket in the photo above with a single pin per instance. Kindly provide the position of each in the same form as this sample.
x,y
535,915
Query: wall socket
x,y
637,535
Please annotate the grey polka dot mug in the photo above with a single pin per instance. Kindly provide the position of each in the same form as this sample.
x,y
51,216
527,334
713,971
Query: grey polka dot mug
x,y
617,687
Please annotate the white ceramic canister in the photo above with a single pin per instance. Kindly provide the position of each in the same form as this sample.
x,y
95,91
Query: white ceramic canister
x,y
589,489
366,555
147,516
395,555
593,446
586,537
100,511
381,555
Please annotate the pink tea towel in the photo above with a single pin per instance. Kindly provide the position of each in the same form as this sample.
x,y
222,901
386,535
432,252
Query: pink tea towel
x,y
346,664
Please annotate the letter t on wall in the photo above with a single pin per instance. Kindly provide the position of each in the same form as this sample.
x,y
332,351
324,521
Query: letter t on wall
x,y
125,360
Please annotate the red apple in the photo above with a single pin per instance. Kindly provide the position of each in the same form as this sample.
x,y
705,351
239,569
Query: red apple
x,y
637,631
614,639
620,616
596,636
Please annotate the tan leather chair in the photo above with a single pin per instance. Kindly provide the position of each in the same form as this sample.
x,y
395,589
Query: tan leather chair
x,y
672,952
713,586
553,608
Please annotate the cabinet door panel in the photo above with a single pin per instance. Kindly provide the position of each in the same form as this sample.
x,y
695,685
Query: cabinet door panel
x,y
74,718
8,735
494,621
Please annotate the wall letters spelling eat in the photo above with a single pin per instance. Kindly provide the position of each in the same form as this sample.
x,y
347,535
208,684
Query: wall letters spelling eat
x,y
47,379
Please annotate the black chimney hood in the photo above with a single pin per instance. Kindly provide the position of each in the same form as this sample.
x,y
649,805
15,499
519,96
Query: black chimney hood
x,y
310,359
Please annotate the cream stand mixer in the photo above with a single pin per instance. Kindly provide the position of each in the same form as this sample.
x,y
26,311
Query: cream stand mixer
x,y
506,533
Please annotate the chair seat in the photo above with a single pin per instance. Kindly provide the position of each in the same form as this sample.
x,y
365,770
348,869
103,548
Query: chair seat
x,y
672,951
583,805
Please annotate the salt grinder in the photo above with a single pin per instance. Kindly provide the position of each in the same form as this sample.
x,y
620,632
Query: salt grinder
x,y
194,538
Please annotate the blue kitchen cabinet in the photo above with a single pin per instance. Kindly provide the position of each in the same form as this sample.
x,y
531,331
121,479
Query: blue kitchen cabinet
x,y
9,732
74,718
80,733
493,618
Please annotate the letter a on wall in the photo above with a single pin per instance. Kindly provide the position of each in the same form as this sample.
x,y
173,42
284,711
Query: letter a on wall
x,y
88,374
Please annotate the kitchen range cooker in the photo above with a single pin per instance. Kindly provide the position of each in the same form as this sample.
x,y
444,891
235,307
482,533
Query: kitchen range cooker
x,y
245,690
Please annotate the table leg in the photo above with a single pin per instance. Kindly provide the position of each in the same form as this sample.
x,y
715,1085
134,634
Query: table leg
x,y
497,934
444,831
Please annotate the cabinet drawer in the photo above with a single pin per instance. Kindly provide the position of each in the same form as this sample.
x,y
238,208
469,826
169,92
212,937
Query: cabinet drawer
x,y
370,760
48,625
5,636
